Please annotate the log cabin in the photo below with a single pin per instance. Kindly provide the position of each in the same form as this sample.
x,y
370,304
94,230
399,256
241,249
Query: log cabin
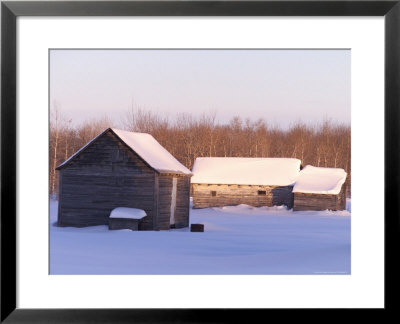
x,y
319,189
222,181
123,169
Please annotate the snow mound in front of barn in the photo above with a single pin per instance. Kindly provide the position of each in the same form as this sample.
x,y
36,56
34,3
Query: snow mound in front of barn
x,y
278,210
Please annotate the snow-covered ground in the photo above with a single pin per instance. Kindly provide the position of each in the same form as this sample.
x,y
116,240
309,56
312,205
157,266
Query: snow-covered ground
x,y
237,240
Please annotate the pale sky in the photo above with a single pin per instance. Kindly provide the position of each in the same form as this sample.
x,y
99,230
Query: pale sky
x,y
281,86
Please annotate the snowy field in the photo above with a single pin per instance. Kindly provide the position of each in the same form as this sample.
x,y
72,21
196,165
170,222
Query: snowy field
x,y
237,240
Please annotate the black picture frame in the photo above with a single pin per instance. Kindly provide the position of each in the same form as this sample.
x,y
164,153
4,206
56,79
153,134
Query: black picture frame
x,y
10,10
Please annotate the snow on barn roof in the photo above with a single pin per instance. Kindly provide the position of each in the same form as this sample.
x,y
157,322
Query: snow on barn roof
x,y
151,151
246,171
147,147
320,180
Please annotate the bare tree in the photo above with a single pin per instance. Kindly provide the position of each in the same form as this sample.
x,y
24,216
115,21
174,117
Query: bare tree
x,y
56,119
187,137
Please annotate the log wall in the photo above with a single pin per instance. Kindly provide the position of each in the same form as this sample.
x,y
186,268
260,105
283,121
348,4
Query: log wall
x,y
309,201
252,195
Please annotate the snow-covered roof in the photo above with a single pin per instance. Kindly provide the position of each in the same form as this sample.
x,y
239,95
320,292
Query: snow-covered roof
x,y
147,148
246,171
151,151
125,212
320,180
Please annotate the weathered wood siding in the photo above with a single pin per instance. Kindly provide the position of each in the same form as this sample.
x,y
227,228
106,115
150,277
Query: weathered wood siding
x,y
164,201
241,194
182,201
309,201
123,223
104,176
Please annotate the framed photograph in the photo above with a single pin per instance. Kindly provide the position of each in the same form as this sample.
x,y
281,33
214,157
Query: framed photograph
x,y
194,161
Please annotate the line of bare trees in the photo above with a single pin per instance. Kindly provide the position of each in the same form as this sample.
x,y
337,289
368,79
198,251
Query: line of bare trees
x,y
187,137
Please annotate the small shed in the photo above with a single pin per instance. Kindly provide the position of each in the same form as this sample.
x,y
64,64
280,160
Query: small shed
x,y
222,181
320,189
123,169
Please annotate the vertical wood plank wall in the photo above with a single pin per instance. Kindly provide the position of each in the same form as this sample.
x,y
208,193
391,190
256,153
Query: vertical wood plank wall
x,y
182,201
164,201
105,176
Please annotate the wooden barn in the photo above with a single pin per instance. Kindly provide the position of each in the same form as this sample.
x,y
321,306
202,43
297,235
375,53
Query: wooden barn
x,y
123,169
223,181
320,189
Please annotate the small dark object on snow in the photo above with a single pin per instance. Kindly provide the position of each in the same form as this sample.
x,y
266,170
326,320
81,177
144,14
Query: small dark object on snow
x,y
197,228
